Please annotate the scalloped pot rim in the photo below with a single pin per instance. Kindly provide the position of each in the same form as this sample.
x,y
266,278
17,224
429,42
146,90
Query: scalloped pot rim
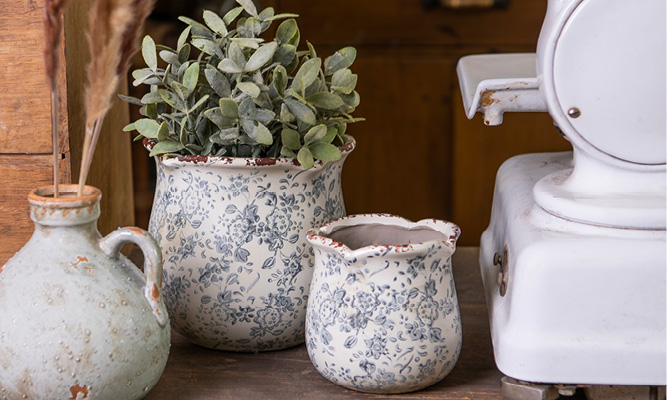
x,y
244,162
319,237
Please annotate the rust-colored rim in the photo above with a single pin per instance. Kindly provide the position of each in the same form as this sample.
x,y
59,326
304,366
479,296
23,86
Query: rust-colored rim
x,y
249,161
43,196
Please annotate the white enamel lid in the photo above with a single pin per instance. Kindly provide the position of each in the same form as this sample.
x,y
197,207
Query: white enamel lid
x,y
609,67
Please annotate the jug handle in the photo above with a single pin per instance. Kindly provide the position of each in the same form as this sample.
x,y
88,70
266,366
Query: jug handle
x,y
111,245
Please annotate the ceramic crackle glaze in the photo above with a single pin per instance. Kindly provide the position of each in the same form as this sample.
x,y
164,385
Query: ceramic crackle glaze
x,y
237,267
383,314
77,319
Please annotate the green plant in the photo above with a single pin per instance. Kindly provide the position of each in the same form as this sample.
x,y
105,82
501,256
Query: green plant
x,y
242,96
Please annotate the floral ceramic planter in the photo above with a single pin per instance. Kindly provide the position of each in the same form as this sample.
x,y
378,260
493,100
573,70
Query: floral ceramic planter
x,y
77,319
237,267
383,315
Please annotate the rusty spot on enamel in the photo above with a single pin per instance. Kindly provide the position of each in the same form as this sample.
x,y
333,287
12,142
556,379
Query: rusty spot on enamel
x,y
488,99
80,260
1,266
156,292
138,231
77,390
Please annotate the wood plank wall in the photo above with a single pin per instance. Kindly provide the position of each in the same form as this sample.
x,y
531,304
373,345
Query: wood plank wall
x,y
25,124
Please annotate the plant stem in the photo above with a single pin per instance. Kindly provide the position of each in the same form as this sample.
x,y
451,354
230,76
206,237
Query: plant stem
x,y
89,144
54,135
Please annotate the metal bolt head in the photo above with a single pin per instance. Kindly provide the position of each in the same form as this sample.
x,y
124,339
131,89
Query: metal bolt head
x,y
574,112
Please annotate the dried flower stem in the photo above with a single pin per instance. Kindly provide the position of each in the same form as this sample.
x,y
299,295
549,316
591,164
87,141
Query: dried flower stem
x,y
53,17
114,28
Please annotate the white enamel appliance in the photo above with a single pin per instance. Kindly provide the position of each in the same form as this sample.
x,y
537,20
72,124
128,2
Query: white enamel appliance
x,y
574,259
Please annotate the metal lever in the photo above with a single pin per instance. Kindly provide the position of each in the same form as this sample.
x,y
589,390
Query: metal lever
x,y
494,84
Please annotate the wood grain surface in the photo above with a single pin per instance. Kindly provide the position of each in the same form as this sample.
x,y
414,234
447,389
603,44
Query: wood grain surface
x,y
194,372
19,174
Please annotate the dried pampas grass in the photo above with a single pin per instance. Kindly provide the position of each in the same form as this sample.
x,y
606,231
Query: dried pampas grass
x,y
53,26
114,29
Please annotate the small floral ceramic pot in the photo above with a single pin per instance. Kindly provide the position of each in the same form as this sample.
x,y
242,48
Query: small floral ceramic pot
x,y
383,316
237,267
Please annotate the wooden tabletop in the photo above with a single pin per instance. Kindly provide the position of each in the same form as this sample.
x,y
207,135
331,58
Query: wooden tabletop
x,y
195,372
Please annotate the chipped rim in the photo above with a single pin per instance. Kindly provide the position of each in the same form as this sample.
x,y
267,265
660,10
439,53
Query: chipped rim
x,y
43,196
252,162
318,237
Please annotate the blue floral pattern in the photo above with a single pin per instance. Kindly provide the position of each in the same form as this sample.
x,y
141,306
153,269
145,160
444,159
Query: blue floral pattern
x,y
387,323
237,267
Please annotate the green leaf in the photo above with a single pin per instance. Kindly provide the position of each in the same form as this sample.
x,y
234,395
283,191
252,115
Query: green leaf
x,y
285,115
216,23
170,57
149,52
263,55
287,31
301,111
253,27
215,116
251,43
343,58
151,98
131,100
235,53
325,100
145,75
230,133
229,67
249,88
305,158
151,110
183,136
165,146
344,81
172,99
163,131
199,103
129,127
306,75
229,108
325,152
352,99
262,135
261,115
180,90
331,134
311,49
285,152
249,7
138,138
183,53
198,29
266,13
191,77
183,38
208,46
285,54
280,79
218,81
291,139
147,127
231,15
315,133
279,16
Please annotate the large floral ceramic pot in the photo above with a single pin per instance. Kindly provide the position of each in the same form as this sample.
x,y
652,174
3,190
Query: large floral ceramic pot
x,y
383,315
77,319
237,266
